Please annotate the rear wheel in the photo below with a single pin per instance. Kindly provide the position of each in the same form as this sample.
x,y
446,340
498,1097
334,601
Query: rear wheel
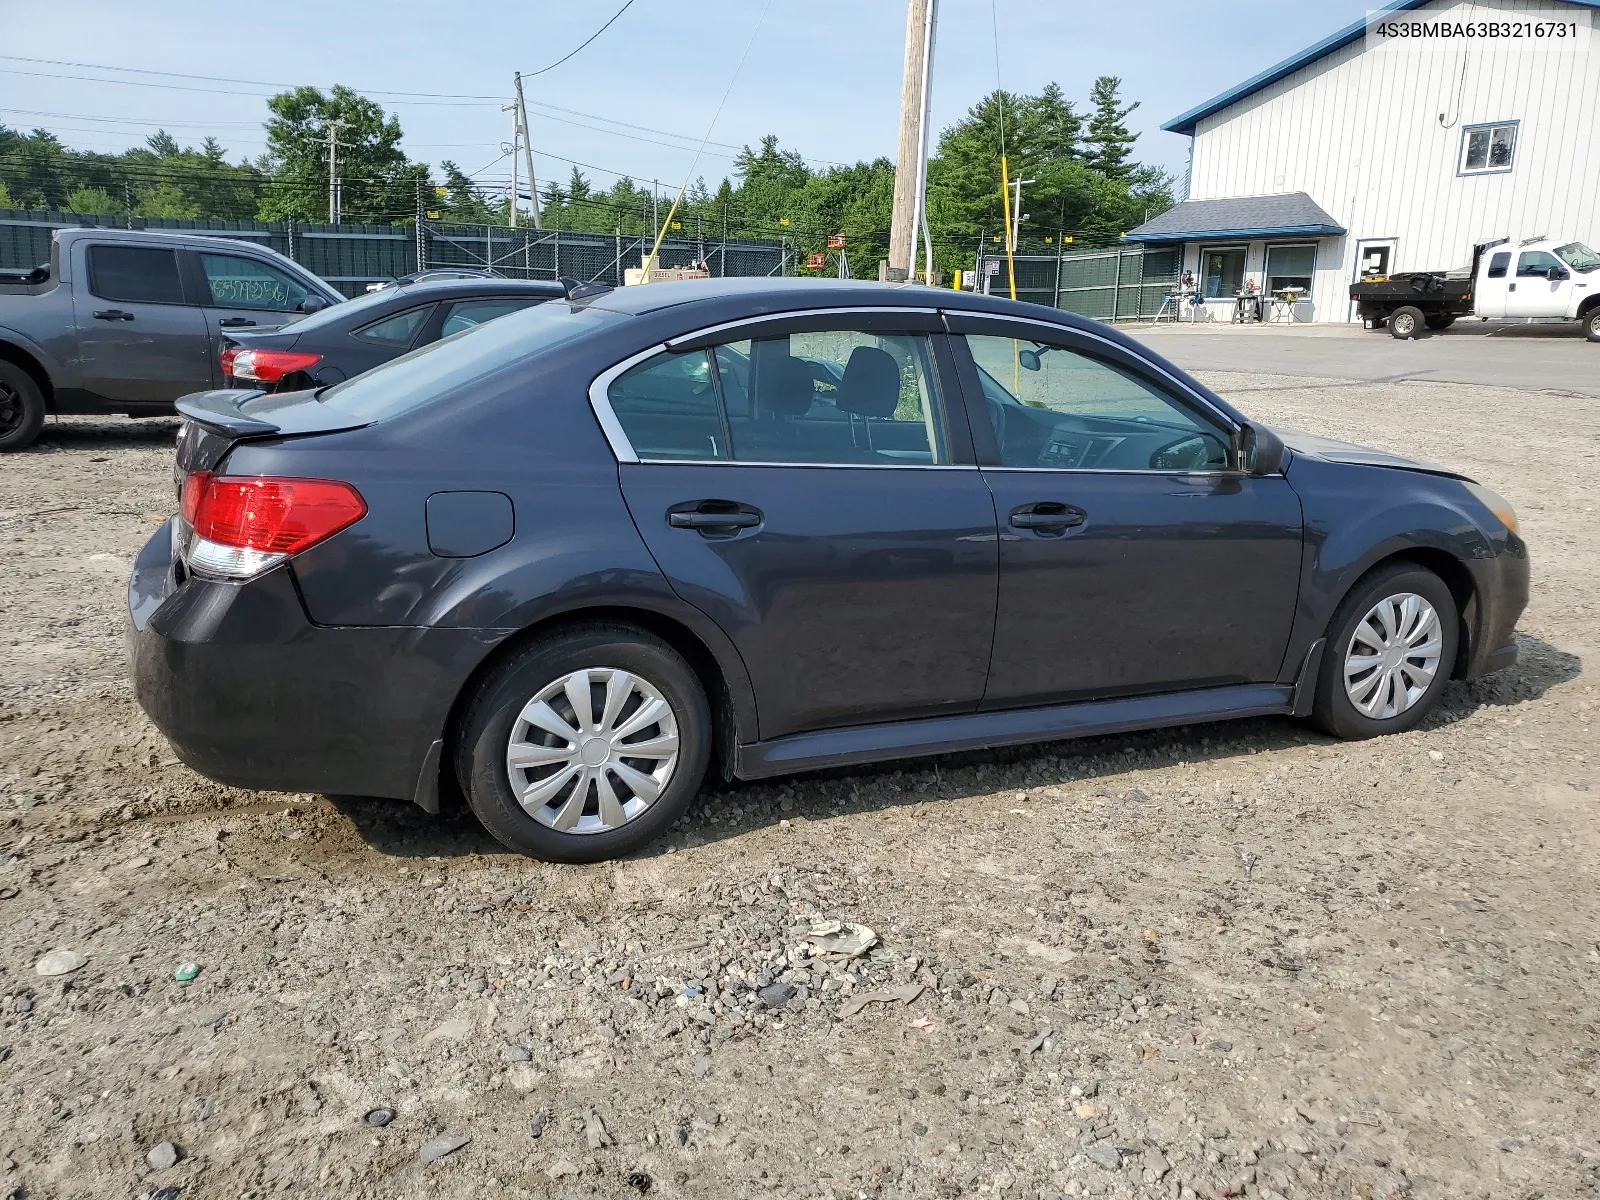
x,y
1406,322
1440,320
585,746
1591,324
21,407
1390,649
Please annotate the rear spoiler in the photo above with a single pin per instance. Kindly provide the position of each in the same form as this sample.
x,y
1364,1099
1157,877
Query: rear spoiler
x,y
280,414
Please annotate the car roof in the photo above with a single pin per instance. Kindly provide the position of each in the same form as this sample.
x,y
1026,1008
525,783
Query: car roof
x,y
767,295
429,289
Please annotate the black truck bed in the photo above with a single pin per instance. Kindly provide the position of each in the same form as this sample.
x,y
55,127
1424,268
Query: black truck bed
x,y
1431,291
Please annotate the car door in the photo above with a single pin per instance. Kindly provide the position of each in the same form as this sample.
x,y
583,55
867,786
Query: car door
x,y
140,341
1492,288
1533,293
1133,556
810,487
240,292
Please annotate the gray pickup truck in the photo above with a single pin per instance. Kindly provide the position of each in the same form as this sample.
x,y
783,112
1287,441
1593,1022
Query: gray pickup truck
x,y
125,321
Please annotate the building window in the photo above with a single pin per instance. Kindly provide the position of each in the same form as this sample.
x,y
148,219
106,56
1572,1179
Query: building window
x,y
1222,272
1488,148
1290,267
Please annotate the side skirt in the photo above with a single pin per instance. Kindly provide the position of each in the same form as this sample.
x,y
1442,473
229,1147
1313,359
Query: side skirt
x,y
982,731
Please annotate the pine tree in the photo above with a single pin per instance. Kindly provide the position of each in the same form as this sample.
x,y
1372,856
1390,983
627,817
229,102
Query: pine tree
x,y
1109,140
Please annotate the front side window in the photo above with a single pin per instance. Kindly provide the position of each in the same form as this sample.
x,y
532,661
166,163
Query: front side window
x,y
239,282
1537,263
1222,272
395,331
470,313
1499,264
135,274
1486,148
1290,267
1051,406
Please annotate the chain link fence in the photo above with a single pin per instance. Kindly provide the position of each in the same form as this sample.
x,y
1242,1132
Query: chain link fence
x,y
1114,284
352,256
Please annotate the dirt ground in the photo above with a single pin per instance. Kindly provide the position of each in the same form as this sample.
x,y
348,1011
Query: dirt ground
x,y
1223,960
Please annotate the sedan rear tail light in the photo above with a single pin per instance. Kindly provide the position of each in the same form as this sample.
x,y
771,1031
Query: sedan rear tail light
x,y
266,366
244,525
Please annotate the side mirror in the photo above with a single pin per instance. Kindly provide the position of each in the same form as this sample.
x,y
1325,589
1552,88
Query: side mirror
x,y
1260,451
1555,274
1028,360
313,303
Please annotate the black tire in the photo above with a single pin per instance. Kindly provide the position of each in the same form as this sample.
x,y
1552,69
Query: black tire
x,y
1406,322
493,713
1440,320
1591,324
21,407
1332,709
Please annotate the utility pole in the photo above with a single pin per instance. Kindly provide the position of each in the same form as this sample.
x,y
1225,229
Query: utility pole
x,y
1016,211
910,152
333,170
655,221
527,154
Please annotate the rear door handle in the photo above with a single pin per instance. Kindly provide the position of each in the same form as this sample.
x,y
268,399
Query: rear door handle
x,y
113,314
1047,516
234,322
714,516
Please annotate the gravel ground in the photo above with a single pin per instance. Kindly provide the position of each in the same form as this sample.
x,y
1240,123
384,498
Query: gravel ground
x,y
1231,959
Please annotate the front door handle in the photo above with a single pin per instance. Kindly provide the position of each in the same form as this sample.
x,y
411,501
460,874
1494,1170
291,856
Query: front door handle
x,y
714,516
1047,516
1512,288
113,314
234,322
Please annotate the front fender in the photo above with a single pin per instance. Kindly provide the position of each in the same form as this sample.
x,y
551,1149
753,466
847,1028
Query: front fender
x,y
1357,516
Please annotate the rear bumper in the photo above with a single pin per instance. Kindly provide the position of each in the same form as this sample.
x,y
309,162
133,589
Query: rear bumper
x,y
252,694
1501,595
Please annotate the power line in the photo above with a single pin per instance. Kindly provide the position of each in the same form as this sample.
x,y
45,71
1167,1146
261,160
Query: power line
x,y
626,6
178,87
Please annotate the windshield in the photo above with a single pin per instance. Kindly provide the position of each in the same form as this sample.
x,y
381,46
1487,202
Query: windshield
x,y
411,380
1578,256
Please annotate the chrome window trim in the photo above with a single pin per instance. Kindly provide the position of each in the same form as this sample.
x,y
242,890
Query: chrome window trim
x,y
601,403
773,318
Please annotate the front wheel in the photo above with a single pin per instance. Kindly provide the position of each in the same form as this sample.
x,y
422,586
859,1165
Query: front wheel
x,y
21,407
1390,649
1591,324
586,745
1405,322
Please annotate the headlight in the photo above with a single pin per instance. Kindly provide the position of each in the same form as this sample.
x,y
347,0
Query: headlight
x,y
1497,504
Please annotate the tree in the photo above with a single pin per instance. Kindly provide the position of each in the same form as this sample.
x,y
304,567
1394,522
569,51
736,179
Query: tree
x,y
164,200
378,184
90,200
5,197
1110,141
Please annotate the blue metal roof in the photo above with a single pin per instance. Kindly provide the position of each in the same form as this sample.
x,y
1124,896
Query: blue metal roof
x,y
1186,122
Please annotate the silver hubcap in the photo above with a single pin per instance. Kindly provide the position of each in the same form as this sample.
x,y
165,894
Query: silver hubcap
x,y
1393,656
592,751
1404,324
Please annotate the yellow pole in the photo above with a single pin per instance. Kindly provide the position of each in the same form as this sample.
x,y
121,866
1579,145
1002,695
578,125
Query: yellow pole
x,y
1005,208
644,275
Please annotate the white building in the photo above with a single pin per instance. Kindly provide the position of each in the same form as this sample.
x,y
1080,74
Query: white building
x,y
1391,153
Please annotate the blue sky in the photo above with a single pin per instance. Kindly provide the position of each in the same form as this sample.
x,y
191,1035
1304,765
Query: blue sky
x,y
824,75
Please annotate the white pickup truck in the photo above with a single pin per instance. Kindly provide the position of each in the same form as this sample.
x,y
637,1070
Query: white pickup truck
x,y
1540,277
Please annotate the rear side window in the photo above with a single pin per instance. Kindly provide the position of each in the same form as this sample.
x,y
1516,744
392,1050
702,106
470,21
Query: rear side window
x,y
397,330
136,274
668,407
475,312
447,367
1498,264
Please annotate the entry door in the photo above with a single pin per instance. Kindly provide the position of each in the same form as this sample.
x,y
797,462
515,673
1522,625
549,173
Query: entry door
x,y
1133,557
139,341
822,516
1374,260
1533,293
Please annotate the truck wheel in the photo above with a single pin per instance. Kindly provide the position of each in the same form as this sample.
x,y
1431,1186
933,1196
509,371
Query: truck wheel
x,y
1440,320
1591,324
21,407
1406,322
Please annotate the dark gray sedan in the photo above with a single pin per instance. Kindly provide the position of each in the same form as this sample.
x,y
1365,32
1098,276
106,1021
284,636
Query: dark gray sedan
x,y
337,343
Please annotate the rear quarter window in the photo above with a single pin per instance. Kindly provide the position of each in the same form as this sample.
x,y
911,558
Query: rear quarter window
x,y
444,367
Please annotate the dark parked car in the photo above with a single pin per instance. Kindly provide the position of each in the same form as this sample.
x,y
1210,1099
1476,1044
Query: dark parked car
x,y
568,560
431,274
338,343
126,321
